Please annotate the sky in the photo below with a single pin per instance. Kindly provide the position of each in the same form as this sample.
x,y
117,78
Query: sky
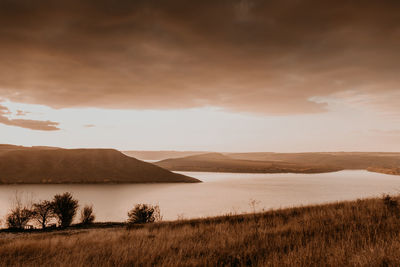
x,y
231,75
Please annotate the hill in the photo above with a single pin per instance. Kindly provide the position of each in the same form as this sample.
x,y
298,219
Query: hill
x,y
345,160
55,165
383,162
160,155
217,162
265,162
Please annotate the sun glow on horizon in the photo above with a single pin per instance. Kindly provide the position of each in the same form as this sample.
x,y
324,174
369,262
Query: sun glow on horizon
x,y
204,129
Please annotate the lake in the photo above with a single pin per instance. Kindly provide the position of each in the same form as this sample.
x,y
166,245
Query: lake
x,y
220,193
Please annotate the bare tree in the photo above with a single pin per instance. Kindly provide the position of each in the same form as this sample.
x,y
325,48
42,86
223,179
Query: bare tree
x,y
87,215
43,212
64,208
18,218
19,215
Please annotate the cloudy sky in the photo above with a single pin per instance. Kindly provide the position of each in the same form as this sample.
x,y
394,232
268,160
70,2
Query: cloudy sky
x,y
233,75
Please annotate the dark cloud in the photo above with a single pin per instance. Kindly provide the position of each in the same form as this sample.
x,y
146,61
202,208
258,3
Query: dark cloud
x,y
258,56
24,123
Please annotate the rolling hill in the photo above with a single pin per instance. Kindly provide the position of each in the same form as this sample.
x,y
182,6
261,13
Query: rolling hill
x,y
266,162
55,165
382,162
345,160
217,162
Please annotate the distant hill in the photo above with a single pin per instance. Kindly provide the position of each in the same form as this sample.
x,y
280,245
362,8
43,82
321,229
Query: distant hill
x,y
160,155
55,165
344,160
217,162
266,162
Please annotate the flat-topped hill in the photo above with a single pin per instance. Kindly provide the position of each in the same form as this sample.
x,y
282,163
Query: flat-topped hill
x,y
55,165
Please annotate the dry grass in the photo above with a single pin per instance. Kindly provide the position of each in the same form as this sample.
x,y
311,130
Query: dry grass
x,y
359,233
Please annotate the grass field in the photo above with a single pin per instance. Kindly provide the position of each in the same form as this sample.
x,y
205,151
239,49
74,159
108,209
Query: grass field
x,y
358,233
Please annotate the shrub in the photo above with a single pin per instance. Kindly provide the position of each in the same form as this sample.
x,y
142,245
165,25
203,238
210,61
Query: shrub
x,y
87,215
390,203
43,212
64,208
144,213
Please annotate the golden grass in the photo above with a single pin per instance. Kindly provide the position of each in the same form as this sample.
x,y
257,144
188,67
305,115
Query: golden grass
x,y
358,233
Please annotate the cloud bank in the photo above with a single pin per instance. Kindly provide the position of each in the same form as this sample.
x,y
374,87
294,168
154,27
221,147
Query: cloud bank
x,y
268,57
24,123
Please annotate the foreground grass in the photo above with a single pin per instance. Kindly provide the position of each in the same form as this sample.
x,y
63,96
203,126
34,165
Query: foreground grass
x,y
359,233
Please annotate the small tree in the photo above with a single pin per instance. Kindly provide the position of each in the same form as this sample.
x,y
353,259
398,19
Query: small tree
x,y
144,213
43,212
64,208
18,218
20,214
87,215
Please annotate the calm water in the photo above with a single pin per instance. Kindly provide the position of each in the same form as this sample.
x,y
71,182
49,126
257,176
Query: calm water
x,y
220,193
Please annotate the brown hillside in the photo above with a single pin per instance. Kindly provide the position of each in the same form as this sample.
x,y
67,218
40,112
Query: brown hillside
x,y
266,162
217,162
345,160
35,165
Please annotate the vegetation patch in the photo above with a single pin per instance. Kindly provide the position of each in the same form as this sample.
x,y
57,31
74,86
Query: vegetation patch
x,y
356,233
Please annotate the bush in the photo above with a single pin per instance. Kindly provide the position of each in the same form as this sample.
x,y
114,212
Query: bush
x,y
87,215
43,212
390,203
144,213
64,208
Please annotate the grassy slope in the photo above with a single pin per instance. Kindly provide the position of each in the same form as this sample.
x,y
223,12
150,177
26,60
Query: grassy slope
x,y
359,233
